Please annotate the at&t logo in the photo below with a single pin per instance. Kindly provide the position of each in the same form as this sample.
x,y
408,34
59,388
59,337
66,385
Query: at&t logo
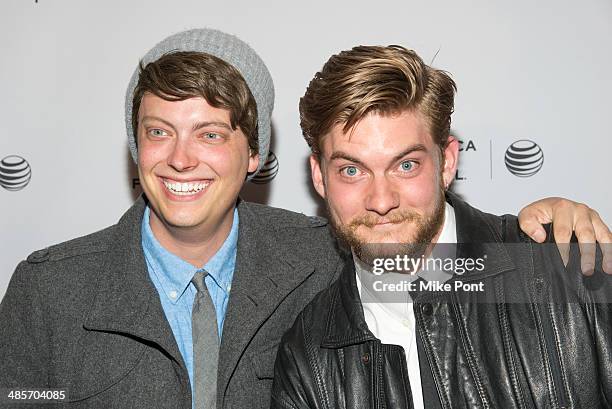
x,y
524,158
15,173
268,171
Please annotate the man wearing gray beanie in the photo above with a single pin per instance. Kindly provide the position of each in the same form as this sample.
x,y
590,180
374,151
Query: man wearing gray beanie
x,y
183,302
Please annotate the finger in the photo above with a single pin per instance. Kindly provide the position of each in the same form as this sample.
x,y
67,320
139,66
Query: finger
x,y
564,250
607,257
533,216
533,228
585,233
563,226
586,241
603,235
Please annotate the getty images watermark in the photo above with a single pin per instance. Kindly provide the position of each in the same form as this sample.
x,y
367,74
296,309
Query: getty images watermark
x,y
432,267
479,273
411,265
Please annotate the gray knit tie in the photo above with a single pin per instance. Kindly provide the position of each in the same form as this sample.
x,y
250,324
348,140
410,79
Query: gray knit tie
x,y
205,345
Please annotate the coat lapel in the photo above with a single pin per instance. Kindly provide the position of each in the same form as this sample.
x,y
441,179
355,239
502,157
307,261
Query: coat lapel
x,y
266,272
479,235
127,301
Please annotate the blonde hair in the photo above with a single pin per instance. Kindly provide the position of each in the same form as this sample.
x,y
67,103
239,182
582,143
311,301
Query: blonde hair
x,y
386,80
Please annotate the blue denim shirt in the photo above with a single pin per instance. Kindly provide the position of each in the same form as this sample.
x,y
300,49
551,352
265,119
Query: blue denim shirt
x,y
172,276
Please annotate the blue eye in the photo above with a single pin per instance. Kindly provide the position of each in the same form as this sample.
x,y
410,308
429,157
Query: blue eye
x,y
157,132
350,171
212,135
407,165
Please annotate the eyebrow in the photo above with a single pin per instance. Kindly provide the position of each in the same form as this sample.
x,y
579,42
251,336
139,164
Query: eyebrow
x,y
196,126
343,155
419,147
156,118
200,125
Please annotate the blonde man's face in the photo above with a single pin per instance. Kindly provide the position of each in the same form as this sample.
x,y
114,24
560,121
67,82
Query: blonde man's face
x,y
384,180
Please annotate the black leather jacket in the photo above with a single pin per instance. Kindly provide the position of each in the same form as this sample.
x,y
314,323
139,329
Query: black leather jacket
x,y
543,341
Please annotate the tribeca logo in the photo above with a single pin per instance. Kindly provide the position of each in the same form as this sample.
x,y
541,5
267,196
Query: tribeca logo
x,y
15,173
268,171
464,146
524,158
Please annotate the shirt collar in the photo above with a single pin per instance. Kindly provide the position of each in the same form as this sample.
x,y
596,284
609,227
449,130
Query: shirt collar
x,y
449,228
221,266
175,274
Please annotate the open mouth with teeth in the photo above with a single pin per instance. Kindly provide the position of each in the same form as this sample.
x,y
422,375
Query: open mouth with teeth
x,y
187,188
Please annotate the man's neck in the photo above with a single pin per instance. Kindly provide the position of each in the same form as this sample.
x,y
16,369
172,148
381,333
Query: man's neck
x,y
197,244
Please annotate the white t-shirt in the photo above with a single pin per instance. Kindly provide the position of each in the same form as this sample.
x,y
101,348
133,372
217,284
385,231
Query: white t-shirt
x,y
394,322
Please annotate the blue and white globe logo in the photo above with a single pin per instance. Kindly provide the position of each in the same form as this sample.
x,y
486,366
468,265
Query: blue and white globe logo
x,y
524,158
268,171
15,173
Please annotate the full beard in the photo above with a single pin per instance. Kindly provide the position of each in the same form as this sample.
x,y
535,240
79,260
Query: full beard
x,y
424,230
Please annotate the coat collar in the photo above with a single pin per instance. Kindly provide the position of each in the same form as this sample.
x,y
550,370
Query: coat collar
x,y
267,270
478,233
127,301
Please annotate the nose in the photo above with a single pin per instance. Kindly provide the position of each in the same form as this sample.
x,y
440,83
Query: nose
x,y
382,196
182,157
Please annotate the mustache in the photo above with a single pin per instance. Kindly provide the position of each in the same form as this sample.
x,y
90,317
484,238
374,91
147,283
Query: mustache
x,y
369,220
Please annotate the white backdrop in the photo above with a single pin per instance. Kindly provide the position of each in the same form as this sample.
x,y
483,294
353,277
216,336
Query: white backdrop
x,y
526,70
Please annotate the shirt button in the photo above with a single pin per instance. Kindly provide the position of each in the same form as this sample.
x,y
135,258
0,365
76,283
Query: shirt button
x,y
406,323
173,294
229,288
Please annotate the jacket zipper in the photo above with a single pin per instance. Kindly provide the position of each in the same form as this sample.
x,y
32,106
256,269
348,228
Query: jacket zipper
x,y
551,349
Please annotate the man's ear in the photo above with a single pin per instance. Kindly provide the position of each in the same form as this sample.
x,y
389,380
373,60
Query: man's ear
x,y
451,158
317,175
253,162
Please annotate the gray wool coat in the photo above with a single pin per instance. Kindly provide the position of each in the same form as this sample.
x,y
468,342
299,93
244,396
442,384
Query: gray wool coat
x,y
84,317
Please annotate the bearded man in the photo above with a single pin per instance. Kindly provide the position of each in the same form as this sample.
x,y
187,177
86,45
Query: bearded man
x,y
516,331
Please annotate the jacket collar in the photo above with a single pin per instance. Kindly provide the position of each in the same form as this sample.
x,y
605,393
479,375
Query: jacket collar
x,y
267,270
127,301
346,323
478,233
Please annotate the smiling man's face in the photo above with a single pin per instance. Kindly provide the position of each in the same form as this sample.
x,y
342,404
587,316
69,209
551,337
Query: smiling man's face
x,y
191,163
383,181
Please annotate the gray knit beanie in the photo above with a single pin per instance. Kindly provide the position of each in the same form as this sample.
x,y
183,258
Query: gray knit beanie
x,y
233,51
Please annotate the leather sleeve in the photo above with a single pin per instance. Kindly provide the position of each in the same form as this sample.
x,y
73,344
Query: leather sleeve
x,y
596,294
590,298
603,345
23,358
599,310
293,387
